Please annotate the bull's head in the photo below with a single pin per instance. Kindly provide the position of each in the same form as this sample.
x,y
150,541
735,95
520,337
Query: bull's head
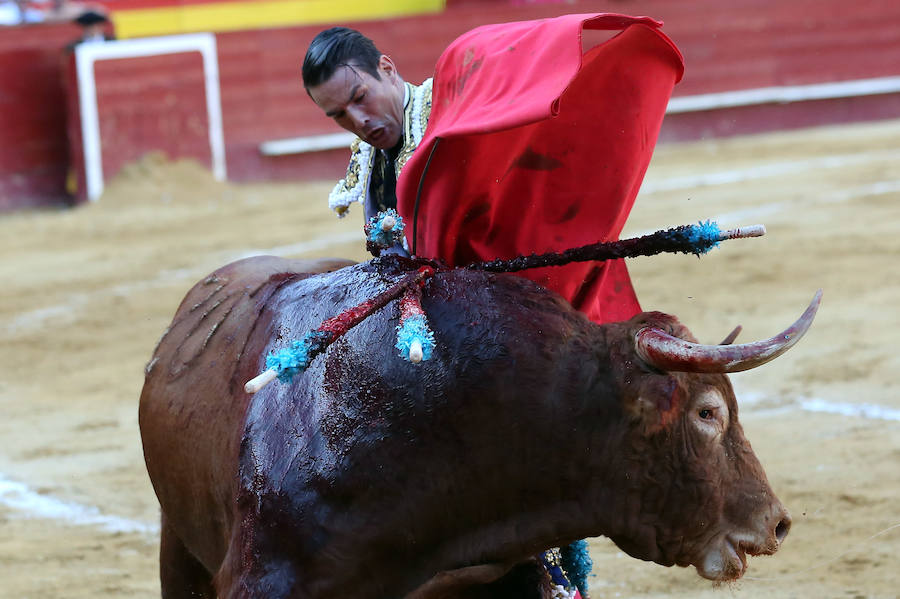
x,y
697,493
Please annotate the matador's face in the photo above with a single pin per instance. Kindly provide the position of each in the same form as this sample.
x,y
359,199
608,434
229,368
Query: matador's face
x,y
370,107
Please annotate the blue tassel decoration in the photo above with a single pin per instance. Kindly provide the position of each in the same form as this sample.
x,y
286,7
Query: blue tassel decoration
x,y
702,237
377,236
415,328
577,563
294,359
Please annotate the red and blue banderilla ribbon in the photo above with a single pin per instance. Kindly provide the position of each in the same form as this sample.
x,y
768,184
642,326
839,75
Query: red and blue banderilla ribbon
x,y
296,358
415,340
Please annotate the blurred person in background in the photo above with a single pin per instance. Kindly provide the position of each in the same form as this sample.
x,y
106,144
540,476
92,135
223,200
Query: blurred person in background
x,y
95,27
71,11
18,12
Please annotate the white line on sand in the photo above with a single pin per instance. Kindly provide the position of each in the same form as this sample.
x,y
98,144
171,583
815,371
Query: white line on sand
x,y
861,410
767,209
842,195
297,249
31,504
36,319
762,171
753,403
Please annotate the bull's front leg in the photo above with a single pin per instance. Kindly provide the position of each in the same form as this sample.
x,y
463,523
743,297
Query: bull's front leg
x,y
455,583
249,572
181,575
526,580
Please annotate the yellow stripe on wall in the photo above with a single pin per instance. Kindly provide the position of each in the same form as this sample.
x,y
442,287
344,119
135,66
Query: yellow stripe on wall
x,y
233,16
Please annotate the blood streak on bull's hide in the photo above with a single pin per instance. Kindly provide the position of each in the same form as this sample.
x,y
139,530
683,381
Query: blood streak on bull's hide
x,y
668,400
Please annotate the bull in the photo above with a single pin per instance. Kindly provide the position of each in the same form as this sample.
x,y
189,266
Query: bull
x,y
372,477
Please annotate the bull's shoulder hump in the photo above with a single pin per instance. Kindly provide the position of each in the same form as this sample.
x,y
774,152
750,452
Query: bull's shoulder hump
x,y
219,313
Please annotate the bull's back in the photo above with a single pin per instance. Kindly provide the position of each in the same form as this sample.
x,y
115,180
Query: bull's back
x,y
193,404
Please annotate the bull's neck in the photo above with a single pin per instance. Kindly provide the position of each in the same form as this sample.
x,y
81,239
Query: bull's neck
x,y
554,483
524,462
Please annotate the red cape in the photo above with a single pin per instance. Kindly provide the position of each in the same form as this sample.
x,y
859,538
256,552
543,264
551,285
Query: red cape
x,y
542,148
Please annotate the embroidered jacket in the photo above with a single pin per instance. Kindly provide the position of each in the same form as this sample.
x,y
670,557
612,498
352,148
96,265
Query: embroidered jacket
x,y
364,179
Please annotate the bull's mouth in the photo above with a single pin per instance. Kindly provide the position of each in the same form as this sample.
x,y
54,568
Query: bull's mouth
x,y
726,561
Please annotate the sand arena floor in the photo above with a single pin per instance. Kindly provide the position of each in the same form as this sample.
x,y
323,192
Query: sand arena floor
x,y
87,292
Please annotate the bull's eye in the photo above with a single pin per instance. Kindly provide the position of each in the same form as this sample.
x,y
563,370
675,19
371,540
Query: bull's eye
x,y
710,414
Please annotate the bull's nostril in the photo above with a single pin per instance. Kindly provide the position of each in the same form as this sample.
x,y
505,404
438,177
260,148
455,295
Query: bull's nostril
x,y
781,531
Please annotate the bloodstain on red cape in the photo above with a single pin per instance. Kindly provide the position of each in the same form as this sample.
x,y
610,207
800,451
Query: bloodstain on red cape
x,y
546,129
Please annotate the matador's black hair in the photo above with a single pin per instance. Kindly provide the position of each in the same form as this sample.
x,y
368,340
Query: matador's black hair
x,y
335,47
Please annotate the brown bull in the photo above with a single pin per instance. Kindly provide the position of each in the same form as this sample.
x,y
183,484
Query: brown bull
x,y
371,477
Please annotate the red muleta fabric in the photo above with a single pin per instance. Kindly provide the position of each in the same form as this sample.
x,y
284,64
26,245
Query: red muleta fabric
x,y
542,147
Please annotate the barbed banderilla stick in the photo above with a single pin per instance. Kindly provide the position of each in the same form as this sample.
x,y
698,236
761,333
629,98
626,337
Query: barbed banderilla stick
x,y
686,239
295,358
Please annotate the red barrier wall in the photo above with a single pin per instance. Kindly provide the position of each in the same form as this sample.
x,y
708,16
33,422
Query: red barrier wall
x,y
741,44
33,146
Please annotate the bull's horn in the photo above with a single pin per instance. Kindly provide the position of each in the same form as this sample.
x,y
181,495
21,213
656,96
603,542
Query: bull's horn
x,y
665,352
